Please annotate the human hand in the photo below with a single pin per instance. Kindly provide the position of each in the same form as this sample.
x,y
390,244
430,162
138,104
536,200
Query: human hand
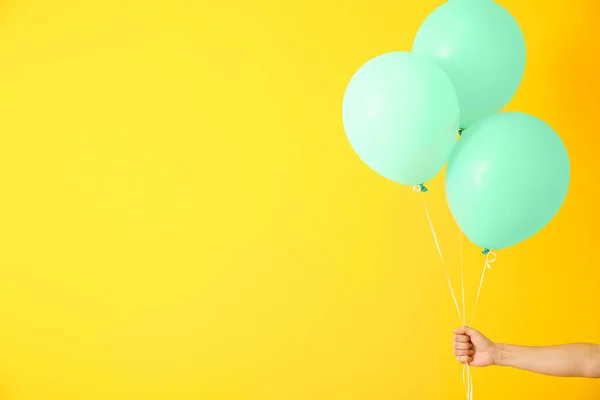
x,y
473,348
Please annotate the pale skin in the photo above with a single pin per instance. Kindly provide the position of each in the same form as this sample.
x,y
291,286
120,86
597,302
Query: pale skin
x,y
567,360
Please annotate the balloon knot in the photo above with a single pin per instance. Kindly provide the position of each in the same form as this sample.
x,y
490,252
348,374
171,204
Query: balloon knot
x,y
420,188
461,131
485,251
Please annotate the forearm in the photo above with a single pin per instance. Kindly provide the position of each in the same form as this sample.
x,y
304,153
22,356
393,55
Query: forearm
x,y
574,360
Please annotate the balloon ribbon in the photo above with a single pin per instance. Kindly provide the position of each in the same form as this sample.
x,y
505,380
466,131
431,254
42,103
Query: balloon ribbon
x,y
468,380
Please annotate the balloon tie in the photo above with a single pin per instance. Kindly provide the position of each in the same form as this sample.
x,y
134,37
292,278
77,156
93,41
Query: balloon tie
x,y
461,131
420,188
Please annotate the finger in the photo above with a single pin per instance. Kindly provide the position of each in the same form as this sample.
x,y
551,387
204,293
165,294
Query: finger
x,y
465,330
462,338
462,346
463,352
460,331
464,359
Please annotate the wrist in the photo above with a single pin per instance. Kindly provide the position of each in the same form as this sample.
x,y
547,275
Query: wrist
x,y
498,354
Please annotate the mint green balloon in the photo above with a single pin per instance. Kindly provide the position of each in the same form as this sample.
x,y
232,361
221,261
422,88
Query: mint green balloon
x,y
400,114
506,179
481,47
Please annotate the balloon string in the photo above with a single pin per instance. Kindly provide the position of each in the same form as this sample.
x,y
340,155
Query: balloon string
x,y
462,279
468,384
465,382
437,245
470,393
486,266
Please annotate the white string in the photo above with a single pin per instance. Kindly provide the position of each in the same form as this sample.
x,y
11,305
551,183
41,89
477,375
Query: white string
x,y
470,393
462,279
469,382
486,266
466,383
437,245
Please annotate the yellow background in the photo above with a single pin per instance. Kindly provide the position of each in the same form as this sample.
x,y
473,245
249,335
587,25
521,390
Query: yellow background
x,y
182,217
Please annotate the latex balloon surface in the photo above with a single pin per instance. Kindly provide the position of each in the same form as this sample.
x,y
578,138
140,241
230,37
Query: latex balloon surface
x,y
482,49
400,113
507,178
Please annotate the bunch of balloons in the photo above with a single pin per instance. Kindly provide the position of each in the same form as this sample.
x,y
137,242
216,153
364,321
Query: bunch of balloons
x,y
408,113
